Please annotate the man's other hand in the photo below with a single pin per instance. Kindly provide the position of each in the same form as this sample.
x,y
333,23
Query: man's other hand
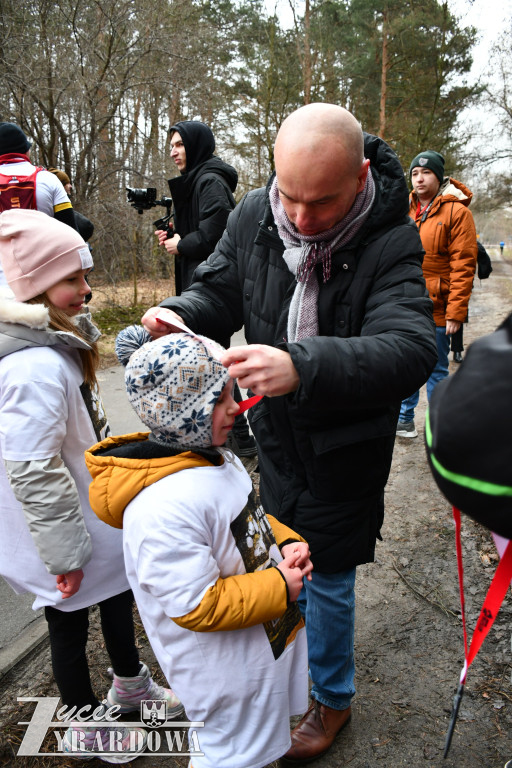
x,y
160,327
265,370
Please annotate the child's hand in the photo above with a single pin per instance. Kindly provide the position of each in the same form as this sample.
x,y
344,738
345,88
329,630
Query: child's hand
x,y
292,575
301,551
69,583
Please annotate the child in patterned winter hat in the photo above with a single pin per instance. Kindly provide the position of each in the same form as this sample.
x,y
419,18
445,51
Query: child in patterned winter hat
x,y
215,579
174,384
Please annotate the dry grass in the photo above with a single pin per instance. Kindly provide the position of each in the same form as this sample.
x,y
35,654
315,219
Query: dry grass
x,y
148,292
113,307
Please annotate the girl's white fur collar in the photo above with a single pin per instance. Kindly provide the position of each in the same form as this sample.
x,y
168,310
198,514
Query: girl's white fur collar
x,y
31,315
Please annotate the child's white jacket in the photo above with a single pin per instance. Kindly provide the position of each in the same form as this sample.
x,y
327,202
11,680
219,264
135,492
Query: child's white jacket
x,y
200,556
48,418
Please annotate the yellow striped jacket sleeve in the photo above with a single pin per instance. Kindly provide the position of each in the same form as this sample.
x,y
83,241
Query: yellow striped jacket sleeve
x,y
61,207
238,602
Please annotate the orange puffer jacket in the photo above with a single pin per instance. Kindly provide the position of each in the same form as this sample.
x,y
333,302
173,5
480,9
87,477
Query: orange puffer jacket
x,y
448,236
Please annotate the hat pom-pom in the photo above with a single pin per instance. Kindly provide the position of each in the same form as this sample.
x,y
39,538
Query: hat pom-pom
x,y
129,340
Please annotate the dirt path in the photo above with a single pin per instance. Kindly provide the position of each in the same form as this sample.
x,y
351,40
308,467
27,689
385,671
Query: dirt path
x,y
409,647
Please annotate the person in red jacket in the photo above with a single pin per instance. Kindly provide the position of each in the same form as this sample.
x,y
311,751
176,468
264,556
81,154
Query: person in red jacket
x,y
439,206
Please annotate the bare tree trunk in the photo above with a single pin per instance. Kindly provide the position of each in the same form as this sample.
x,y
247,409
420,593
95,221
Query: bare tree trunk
x,y
307,73
384,76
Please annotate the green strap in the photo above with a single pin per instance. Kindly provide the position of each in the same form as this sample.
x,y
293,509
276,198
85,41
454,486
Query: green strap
x,y
471,483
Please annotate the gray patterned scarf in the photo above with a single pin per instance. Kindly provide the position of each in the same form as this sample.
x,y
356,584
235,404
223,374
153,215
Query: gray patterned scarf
x,y
304,252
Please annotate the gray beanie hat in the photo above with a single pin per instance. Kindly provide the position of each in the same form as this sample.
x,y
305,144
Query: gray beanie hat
x,y
173,384
431,160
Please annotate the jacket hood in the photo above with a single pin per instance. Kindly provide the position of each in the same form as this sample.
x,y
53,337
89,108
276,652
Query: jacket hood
x,y
117,479
450,191
391,203
198,140
27,325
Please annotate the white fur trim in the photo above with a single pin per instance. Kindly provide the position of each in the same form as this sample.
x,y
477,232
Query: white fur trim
x,y
451,189
11,311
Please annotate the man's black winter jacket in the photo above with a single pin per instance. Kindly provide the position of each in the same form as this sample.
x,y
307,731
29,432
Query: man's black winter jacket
x,y
325,450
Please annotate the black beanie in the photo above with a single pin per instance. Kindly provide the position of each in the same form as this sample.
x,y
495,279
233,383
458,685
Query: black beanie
x,y
12,139
431,160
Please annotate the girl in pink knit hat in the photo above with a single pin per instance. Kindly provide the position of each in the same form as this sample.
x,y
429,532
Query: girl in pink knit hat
x,y
51,543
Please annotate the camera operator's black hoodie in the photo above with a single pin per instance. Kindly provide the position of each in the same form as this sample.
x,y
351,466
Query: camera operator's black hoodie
x,y
202,198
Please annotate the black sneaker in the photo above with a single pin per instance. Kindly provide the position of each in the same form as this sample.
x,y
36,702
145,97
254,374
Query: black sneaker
x,y
457,357
406,429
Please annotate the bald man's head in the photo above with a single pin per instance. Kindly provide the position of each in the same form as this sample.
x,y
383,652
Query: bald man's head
x,y
310,127
320,165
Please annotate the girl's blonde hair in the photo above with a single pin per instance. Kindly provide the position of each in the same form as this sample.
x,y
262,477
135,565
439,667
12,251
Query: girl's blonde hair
x,y
59,321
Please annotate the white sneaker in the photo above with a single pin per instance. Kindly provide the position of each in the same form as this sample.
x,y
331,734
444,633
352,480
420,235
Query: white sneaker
x,y
128,692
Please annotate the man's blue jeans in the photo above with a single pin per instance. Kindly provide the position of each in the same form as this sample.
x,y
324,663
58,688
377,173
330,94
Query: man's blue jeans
x,y
327,603
439,373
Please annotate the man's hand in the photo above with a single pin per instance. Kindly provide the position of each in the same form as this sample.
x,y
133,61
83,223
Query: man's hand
x,y
69,583
169,243
452,326
265,370
159,328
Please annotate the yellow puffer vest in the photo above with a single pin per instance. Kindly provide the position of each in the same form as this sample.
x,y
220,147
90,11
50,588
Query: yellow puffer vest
x,y
116,481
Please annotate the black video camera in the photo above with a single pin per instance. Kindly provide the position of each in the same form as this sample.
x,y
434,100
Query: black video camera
x,y
144,199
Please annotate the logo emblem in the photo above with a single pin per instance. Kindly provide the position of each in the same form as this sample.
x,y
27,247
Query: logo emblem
x,y
423,161
153,712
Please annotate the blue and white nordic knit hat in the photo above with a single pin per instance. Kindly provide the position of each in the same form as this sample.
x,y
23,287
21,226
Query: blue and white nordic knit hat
x,y
173,384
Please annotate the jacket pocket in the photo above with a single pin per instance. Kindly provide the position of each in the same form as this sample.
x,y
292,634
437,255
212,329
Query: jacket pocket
x,y
438,292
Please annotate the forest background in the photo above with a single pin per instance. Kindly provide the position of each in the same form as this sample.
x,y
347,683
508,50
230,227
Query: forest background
x,y
95,84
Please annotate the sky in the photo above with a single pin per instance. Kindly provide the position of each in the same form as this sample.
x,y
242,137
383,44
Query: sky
x,y
490,17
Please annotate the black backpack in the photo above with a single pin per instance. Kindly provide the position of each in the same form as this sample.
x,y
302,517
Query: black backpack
x,y
484,266
468,430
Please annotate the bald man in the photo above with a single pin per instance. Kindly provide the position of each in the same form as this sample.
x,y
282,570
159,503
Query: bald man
x,y
322,268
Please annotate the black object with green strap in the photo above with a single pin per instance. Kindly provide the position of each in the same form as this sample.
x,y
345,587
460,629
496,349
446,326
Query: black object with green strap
x,y
468,431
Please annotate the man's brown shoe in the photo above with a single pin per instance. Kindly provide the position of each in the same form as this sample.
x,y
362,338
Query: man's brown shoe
x,y
315,733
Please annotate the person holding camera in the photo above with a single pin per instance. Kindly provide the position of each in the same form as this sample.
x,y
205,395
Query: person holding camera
x,y
202,196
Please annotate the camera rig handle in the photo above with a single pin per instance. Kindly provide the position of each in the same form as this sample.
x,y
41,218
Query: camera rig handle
x,y
165,224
